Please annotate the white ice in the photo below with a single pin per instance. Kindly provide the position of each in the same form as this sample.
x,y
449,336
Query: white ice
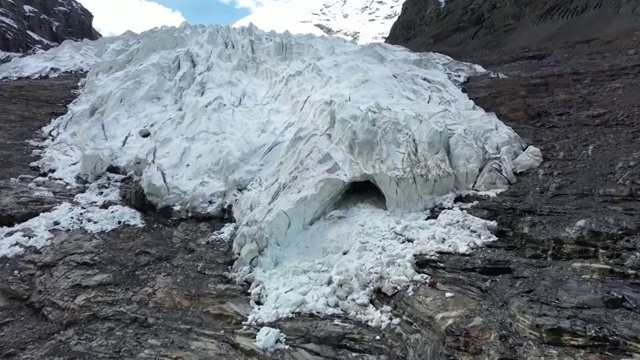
x,y
225,234
270,339
6,56
71,56
279,126
334,266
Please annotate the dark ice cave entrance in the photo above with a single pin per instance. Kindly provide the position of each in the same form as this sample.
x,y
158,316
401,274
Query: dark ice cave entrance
x,y
363,191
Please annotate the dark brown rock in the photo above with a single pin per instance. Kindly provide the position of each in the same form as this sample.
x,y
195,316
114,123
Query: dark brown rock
x,y
463,27
562,281
26,25
25,107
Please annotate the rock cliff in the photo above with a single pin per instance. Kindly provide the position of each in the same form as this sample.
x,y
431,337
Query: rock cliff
x,y
28,25
562,281
463,26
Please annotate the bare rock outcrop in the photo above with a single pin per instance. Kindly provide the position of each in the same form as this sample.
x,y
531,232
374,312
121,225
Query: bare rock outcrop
x,y
462,27
28,25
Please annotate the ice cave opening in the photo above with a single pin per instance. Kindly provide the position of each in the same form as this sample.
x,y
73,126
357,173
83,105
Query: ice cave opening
x,y
364,191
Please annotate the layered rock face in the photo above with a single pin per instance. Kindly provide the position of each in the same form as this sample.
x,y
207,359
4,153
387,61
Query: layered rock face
x,y
41,24
464,26
562,281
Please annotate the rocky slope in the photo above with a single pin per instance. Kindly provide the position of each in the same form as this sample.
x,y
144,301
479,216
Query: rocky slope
x,y
462,27
562,282
26,25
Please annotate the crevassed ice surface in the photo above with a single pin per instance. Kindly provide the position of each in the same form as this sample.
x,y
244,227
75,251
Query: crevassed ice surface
x,y
279,126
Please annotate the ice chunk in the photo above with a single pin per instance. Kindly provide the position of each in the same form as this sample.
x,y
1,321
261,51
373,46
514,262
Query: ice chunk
x,y
270,339
71,56
334,266
531,158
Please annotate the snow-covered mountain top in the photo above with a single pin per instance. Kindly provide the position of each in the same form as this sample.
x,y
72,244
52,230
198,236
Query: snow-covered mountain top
x,y
363,21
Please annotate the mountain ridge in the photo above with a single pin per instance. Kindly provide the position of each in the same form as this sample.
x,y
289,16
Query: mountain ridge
x,y
465,26
362,21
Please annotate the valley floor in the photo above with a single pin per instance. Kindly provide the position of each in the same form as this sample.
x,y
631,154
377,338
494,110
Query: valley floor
x,y
561,283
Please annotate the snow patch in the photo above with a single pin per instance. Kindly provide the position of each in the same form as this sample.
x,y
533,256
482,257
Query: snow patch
x,y
8,21
41,39
225,234
30,10
85,212
362,21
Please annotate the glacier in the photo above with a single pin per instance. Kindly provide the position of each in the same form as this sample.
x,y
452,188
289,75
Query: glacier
x,y
280,127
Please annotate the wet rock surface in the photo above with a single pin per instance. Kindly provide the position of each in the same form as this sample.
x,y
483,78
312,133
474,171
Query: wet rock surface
x,y
561,282
25,107
26,25
463,27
